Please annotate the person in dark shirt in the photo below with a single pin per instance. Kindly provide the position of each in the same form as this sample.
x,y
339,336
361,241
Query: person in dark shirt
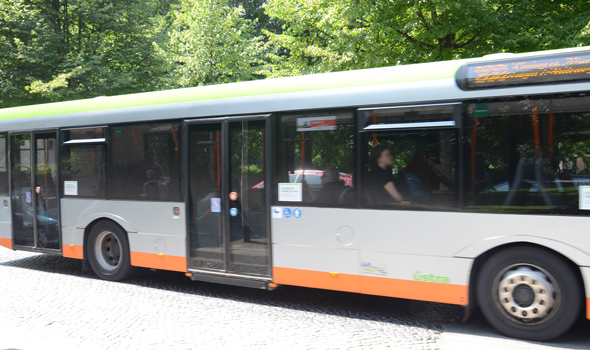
x,y
332,187
381,178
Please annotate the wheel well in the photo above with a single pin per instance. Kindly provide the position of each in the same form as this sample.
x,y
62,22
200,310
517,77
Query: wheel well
x,y
481,260
87,233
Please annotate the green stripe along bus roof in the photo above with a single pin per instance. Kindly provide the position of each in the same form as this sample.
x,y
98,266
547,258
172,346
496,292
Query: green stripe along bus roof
x,y
312,82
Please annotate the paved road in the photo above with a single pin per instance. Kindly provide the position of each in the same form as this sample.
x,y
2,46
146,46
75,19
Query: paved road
x,y
47,302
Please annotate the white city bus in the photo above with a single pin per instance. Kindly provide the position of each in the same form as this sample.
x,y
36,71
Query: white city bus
x,y
464,182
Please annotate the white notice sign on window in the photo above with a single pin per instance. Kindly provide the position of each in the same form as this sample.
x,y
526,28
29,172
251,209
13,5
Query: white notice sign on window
x,y
584,197
71,188
290,192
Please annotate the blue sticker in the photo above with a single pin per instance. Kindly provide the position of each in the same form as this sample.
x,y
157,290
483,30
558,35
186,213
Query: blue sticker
x,y
233,212
287,213
216,205
296,213
28,197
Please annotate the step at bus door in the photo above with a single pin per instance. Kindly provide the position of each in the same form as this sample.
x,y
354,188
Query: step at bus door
x,y
34,191
228,200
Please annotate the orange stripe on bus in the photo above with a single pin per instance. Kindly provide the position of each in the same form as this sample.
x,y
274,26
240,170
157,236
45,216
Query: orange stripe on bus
x,y
73,251
391,287
316,279
6,242
588,308
159,261
417,290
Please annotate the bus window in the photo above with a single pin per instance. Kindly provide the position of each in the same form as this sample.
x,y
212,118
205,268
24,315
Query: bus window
x,y
410,157
411,169
316,159
3,167
86,166
84,162
145,162
527,155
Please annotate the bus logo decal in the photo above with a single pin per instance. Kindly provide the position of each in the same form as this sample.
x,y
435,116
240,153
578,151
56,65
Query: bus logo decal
x,y
370,269
430,278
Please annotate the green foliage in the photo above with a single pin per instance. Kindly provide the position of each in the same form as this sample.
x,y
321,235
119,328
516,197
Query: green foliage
x,y
329,35
211,42
68,49
54,50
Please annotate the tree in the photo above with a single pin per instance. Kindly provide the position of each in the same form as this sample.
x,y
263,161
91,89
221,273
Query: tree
x,y
210,42
540,25
66,49
329,35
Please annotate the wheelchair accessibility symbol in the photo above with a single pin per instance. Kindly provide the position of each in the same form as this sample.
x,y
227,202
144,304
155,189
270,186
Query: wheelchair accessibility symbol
x,y
216,205
287,213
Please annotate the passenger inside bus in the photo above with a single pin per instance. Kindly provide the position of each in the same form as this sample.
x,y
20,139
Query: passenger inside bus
x,y
381,181
154,187
332,187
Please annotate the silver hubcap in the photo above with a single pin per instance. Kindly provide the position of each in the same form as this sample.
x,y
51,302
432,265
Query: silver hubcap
x,y
108,251
526,293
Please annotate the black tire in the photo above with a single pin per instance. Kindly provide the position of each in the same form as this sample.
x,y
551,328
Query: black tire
x,y
529,293
108,252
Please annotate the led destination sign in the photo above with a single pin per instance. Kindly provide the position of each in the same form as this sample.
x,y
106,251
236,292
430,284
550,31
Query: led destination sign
x,y
568,68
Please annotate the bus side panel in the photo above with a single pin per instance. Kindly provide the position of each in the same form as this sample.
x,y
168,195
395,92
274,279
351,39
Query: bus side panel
x,y
418,248
365,251
73,242
157,237
586,277
316,267
5,223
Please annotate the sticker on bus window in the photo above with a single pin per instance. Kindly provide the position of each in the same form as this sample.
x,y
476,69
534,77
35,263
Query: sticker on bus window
x,y
277,213
71,188
290,192
216,205
316,124
584,197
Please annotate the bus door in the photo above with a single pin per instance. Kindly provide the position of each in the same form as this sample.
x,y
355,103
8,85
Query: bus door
x,y
34,191
227,196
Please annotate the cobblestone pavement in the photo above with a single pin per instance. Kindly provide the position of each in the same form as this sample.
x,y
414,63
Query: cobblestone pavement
x,y
48,302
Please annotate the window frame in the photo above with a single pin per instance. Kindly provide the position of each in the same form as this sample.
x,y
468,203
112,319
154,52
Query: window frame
x,y
110,149
278,140
456,123
517,98
6,165
68,143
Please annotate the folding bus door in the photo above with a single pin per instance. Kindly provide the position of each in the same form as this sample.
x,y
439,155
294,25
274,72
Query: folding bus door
x,y
34,191
228,218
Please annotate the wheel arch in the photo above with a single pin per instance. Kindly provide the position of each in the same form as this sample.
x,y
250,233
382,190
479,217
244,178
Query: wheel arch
x,y
484,256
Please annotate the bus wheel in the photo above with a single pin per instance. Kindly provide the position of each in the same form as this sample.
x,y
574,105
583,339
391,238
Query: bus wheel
x,y
108,252
528,293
